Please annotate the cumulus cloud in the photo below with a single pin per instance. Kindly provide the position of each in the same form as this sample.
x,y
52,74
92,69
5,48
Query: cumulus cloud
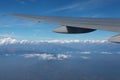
x,y
14,41
43,56
63,56
94,41
103,52
74,41
46,56
8,41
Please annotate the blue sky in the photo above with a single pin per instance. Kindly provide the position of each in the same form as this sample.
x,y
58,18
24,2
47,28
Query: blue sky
x,y
30,30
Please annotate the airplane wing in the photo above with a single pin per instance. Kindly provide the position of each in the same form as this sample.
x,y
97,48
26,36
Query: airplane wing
x,y
72,25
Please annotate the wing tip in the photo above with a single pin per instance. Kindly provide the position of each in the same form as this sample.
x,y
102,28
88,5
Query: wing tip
x,y
115,39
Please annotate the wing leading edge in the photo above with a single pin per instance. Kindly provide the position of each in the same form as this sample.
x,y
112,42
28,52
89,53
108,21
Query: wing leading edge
x,y
75,23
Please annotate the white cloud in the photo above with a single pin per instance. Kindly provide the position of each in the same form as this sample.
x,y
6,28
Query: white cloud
x,y
85,52
94,41
8,41
63,56
60,41
74,41
43,56
46,56
106,53
85,57
13,41
103,52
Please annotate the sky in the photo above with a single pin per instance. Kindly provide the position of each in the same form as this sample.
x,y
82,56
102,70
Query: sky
x,y
21,29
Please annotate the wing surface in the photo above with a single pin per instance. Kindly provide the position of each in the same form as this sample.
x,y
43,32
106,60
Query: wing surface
x,y
78,25
109,24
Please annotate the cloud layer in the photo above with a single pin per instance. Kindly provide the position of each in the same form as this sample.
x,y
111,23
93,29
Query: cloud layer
x,y
13,41
57,49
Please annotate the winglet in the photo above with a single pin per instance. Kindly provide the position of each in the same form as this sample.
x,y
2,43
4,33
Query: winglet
x,y
115,39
